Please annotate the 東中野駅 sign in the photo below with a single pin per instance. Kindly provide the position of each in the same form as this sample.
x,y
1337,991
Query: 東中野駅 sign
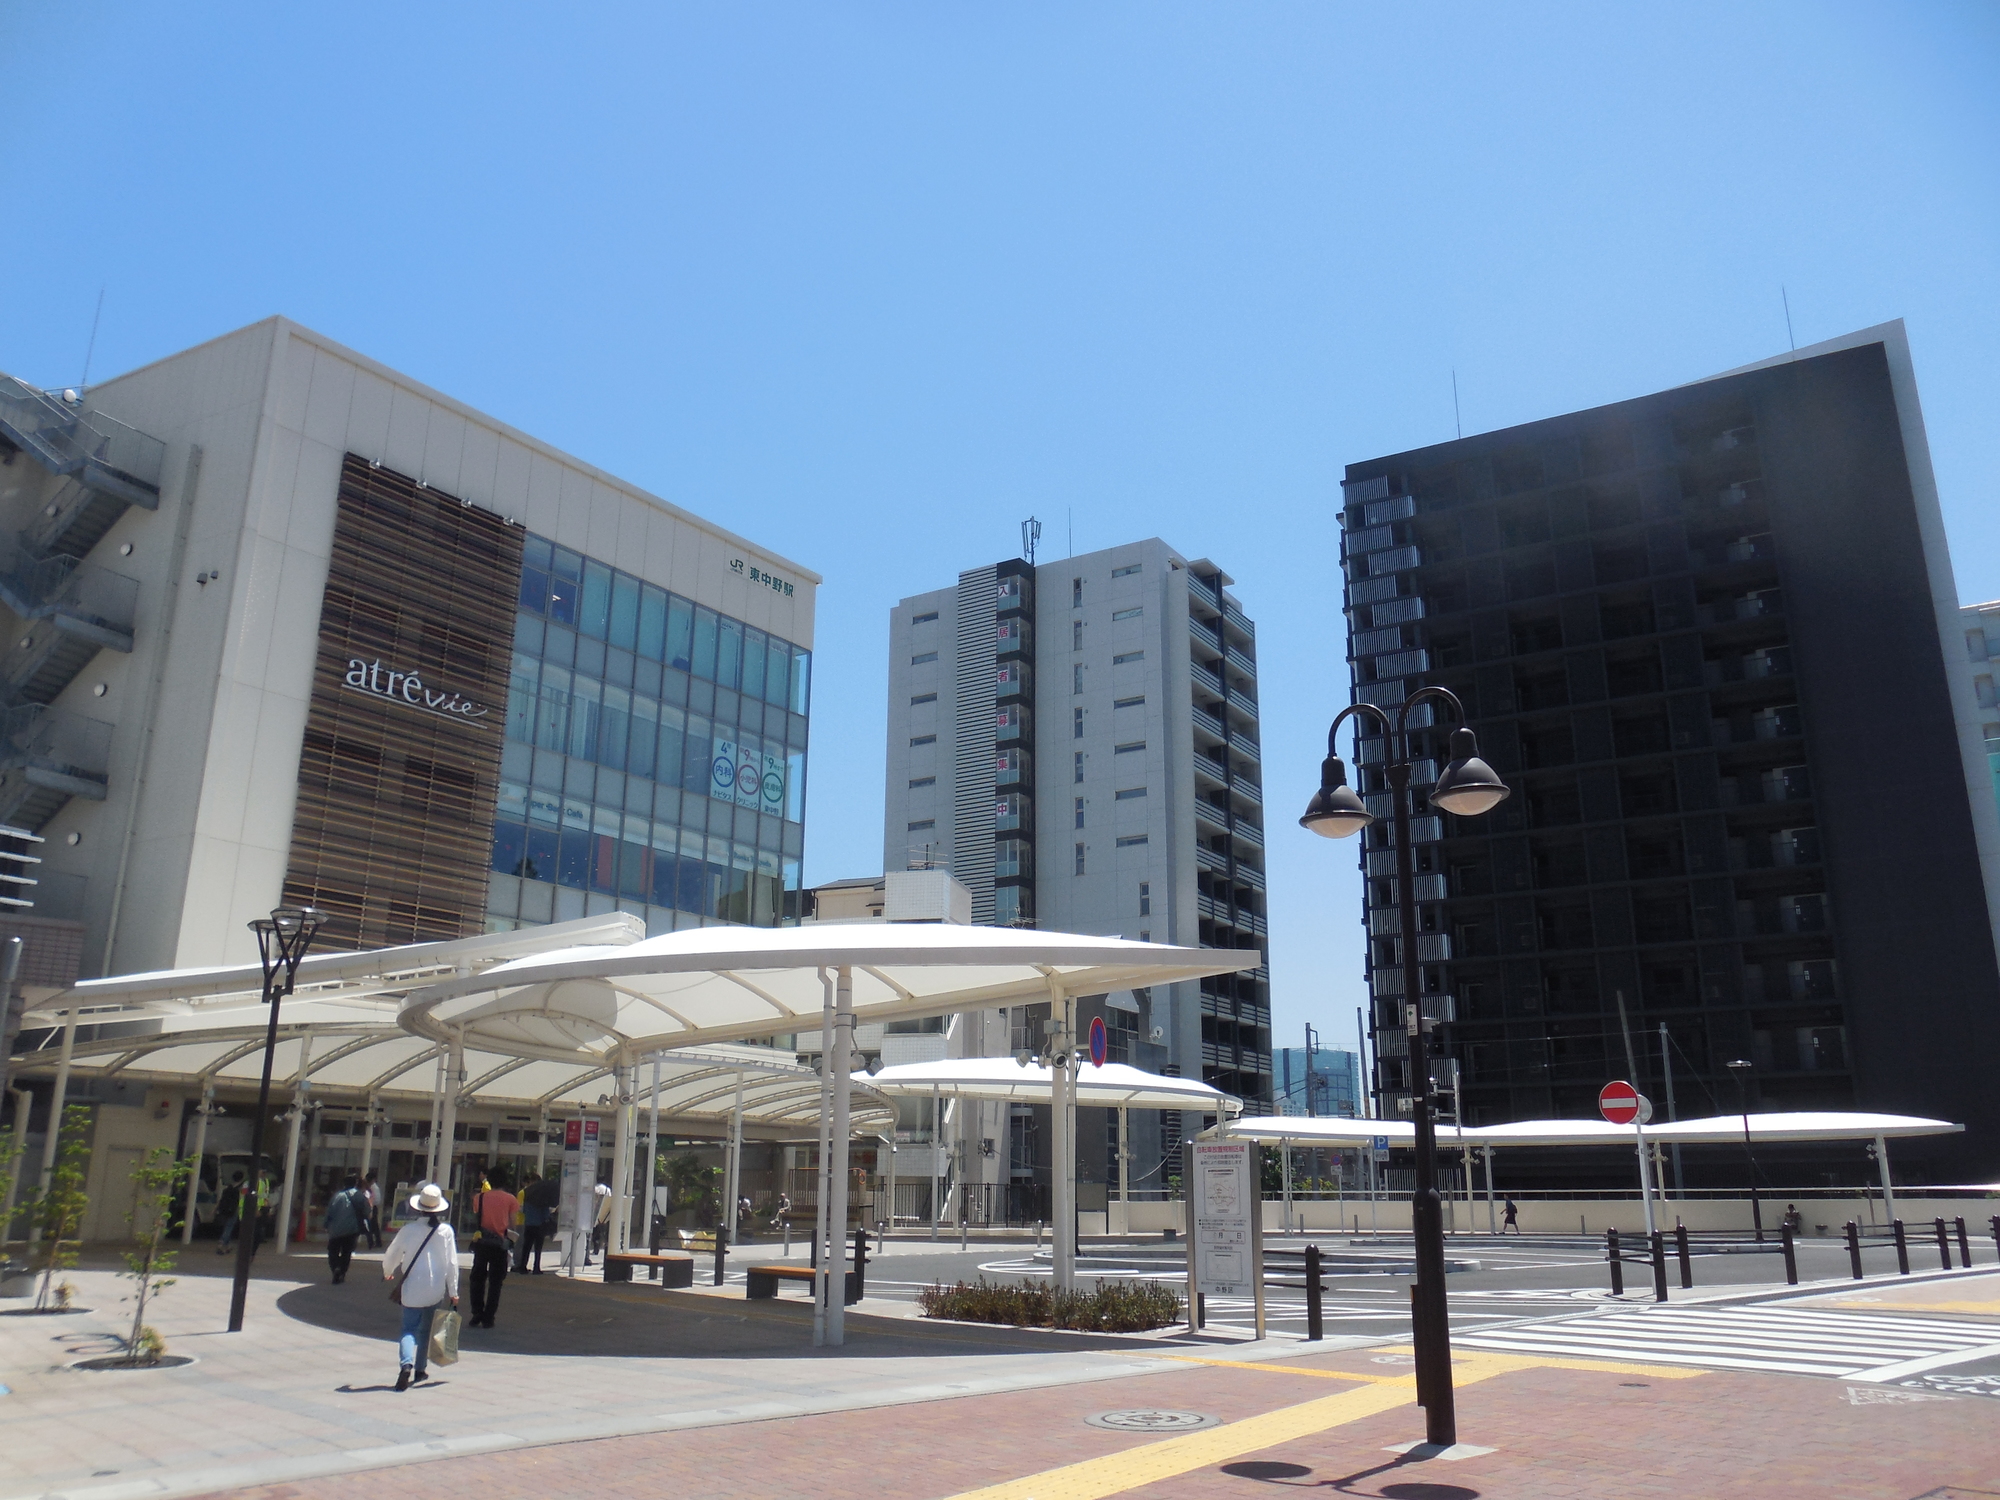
x,y
409,688
747,777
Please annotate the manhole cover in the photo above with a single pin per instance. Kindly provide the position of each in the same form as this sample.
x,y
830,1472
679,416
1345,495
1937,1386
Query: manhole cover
x,y
1152,1419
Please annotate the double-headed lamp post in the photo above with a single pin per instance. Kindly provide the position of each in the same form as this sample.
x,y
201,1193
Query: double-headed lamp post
x,y
282,940
1466,788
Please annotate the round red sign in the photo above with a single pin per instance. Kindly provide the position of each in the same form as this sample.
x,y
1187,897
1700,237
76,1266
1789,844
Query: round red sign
x,y
1618,1103
1100,1041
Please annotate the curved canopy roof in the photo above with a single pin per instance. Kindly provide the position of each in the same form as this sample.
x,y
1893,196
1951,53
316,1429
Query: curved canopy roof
x,y
1777,1127
1113,1086
614,1005
347,1049
386,973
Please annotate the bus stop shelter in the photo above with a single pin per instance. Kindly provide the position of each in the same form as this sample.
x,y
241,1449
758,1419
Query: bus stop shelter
x,y
615,1006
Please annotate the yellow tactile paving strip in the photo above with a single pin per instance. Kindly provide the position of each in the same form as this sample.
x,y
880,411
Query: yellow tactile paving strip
x,y
1115,1473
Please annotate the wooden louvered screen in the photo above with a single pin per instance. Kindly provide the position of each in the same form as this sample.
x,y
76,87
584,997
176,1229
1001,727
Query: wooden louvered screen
x,y
395,812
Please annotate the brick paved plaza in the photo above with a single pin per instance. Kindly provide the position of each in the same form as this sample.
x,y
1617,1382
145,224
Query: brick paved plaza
x,y
619,1391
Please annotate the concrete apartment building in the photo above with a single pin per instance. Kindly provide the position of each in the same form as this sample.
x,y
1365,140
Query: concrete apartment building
x,y
1710,637
1078,743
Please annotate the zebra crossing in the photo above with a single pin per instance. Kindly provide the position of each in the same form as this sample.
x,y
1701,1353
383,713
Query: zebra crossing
x,y
1786,1340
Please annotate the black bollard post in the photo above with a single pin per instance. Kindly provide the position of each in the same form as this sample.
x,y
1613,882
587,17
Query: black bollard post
x,y
1902,1249
1944,1245
1854,1248
1995,1223
1791,1256
1315,1322
1964,1244
860,1264
1659,1266
721,1250
1687,1264
1617,1265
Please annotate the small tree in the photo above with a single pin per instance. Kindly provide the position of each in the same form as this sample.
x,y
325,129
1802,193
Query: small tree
x,y
11,1150
154,1180
695,1187
58,1213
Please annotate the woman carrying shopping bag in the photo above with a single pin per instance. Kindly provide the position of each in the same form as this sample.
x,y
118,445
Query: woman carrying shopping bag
x,y
422,1261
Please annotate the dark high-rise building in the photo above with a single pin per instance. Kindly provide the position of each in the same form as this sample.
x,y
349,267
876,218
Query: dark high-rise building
x,y
1702,634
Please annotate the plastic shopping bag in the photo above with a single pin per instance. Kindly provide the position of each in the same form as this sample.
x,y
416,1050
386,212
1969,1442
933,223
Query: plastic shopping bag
x,y
444,1337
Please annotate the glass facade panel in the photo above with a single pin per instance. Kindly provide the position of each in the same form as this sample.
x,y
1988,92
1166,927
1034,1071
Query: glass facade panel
x,y
604,744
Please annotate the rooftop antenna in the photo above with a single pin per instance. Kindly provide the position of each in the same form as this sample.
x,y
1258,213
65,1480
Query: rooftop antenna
x,y
1031,536
1456,420
91,347
1787,296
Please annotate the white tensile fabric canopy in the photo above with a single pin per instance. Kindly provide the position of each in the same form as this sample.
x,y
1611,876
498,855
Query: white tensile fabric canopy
x,y
614,1006
733,983
341,1049
1720,1130
1113,1086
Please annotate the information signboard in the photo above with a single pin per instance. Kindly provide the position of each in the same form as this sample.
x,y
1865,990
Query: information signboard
x,y
577,1210
1225,1222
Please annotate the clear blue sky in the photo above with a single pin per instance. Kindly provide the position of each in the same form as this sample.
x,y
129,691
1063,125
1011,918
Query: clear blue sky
x,y
871,283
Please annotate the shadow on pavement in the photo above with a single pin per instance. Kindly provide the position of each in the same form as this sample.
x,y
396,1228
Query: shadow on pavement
x,y
551,1316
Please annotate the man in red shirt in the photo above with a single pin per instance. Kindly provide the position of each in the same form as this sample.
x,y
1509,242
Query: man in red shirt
x,y
492,1217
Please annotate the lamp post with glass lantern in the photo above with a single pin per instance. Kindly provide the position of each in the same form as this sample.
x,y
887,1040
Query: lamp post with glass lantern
x,y
1737,1070
282,940
1466,788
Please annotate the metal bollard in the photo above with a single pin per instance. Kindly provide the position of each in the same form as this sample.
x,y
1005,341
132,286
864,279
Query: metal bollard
x,y
1964,1245
788,1239
1659,1266
721,1250
1315,1322
1617,1264
962,1222
1995,1223
1854,1248
1791,1255
1687,1265
860,1264
1944,1245
1902,1249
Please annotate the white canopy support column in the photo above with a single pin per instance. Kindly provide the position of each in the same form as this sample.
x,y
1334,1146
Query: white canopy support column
x,y
202,1111
542,1142
56,1102
1285,1168
652,1159
1888,1188
295,1119
888,1140
437,1100
1492,1224
937,1151
454,1085
836,1258
823,1195
619,1225
734,1177
1124,1170
1062,1157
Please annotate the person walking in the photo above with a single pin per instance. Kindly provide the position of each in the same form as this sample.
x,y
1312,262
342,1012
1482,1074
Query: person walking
x,y
600,1224
423,1261
229,1213
1512,1220
346,1212
492,1214
373,1193
539,1202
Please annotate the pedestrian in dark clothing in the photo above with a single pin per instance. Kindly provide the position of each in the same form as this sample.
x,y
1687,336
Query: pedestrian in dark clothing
x,y
372,1227
538,1211
492,1216
229,1213
1513,1219
345,1213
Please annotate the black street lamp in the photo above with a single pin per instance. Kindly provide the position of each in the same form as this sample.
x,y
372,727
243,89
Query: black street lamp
x,y
282,940
1467,788
1738,1070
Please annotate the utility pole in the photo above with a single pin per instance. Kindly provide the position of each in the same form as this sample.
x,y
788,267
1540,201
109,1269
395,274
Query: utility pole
x,y
1667,1072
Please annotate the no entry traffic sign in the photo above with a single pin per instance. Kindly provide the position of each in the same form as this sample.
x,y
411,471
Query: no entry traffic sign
x,y
1619,1103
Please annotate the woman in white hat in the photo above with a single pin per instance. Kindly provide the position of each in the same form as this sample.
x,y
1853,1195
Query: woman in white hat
x,y
423,1260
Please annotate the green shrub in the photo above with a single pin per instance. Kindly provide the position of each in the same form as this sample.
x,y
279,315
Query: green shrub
x,y
1114,1307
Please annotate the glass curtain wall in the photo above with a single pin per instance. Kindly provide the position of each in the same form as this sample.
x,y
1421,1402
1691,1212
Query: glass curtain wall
x,y
655,759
